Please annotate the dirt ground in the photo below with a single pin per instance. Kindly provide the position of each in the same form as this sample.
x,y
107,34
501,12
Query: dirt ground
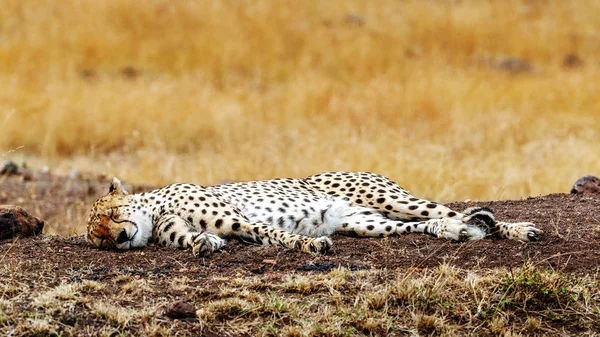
x,y
570,244
570,222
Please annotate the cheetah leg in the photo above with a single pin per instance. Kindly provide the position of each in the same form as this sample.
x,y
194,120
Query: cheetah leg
x,y
413,209
407,207
267,235
483,218
175,232
369,223
384,195
446,228
394,202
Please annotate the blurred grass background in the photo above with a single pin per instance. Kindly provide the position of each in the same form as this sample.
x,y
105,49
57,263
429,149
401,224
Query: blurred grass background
x,y
462,99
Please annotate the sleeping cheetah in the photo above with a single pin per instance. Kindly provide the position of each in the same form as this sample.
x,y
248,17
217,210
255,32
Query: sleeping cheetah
x,y
295,213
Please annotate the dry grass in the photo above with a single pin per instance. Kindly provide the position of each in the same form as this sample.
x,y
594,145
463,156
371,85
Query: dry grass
x,y
161,91
446,301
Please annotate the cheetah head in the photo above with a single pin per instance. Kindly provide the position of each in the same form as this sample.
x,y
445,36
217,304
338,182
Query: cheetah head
x,y
115,222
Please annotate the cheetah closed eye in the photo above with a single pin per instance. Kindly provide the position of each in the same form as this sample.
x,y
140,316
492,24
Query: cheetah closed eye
x,y
295,213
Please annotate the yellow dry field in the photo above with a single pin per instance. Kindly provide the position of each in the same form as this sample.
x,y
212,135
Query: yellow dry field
x,y
452,99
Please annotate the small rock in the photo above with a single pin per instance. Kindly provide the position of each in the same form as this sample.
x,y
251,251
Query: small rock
x,y
15,221
74,174
91,190
180,310
88,74
572,61
586,184
130,72
9,167
354,19
513,65
260,270
28,176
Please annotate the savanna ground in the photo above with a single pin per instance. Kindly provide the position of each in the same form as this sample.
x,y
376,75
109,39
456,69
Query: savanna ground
x,y
410,285
487,100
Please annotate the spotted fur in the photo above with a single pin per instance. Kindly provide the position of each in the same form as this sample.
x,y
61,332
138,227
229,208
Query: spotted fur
x,y
295,213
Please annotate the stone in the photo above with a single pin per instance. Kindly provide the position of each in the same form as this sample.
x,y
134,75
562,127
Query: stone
x,y
180,310
8,167
586,184
15,221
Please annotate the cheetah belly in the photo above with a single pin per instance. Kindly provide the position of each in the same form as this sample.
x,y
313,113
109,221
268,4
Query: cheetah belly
x,y
320,217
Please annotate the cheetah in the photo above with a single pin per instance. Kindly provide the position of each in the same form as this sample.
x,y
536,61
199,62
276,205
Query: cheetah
x,y
295,213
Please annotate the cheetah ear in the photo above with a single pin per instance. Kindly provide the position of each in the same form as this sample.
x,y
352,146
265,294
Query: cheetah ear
x,y
115,187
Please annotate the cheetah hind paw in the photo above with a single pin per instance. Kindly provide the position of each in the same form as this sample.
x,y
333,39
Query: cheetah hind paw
x,y
524,231
457,230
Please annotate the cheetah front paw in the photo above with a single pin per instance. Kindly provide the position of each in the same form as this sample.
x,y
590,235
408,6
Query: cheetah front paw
x,y
205,244
523,231
319,245
457,230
